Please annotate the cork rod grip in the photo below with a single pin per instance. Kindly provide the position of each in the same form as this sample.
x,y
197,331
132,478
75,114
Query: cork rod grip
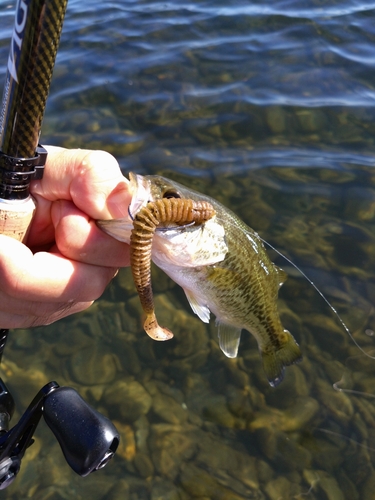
x,y
15,218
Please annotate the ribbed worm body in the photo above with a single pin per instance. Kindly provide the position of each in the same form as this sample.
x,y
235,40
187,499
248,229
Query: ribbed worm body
x,y
176,210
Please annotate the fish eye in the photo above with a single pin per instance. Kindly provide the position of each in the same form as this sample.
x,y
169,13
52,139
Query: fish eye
x,y
171,194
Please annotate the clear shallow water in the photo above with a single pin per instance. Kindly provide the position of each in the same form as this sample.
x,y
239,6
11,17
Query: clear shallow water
x,y
270,109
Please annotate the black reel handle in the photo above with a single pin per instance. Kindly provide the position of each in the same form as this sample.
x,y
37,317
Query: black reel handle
x,y
87,438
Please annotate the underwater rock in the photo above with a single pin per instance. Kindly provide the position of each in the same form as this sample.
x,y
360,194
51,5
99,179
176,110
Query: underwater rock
x,y
199,483
31,380
162,489
24,340
170,390
278,488
348,487
124,280
216,410
327,333
357,463
338,404
142,431
144,465
292,419
52,493
312,119
120,489
129,398
78,339
215,455
368,488
168,410
235,370
96,488
282,450
129,359
329,487
126,449
238,403
276,118
332,368
367,412
264,471
327,455
146,348
361,429
170,446
93,365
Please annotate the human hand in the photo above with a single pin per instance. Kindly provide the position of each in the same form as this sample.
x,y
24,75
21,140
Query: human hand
x,y
68,261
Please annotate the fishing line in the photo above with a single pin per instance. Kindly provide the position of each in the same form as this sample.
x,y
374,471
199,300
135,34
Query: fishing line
x,y
337,385
346,438
351,391
322,296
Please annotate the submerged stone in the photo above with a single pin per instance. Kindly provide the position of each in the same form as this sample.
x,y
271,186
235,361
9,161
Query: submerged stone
x,y
201,484
129,398
168,409
144,465
338,404
93,365
170,446
278,488
292,419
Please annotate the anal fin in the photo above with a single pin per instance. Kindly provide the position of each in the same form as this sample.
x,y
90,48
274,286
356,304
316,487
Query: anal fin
x,y
229,339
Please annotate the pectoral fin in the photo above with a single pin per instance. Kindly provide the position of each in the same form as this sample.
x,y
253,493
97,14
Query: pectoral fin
x,y
201,310
229,339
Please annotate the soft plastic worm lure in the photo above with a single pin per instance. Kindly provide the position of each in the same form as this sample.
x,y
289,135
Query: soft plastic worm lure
x,y
177,210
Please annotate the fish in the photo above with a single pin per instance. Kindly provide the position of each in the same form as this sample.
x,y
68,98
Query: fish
x,y
223,268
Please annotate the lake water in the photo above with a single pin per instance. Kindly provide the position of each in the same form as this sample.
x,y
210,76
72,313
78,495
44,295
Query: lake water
x,y
268,107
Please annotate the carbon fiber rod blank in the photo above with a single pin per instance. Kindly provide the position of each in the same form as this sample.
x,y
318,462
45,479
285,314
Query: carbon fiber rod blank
x,y
35,39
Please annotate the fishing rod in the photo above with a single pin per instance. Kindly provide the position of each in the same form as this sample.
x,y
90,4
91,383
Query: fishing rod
x,y
87,438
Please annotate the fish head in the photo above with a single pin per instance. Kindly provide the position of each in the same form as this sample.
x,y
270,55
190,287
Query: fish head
x,y
178,246
156,187
140,190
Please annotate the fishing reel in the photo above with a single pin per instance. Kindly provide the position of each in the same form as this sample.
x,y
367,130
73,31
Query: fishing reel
x,y
88,439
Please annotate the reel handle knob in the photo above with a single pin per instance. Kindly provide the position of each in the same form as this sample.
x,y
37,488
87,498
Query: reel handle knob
x,y
87,438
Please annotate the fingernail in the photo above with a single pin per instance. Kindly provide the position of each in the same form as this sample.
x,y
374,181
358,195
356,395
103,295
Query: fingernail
x,y
118,201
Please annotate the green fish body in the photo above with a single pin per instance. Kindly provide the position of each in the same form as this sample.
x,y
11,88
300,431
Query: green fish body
x,y
227,273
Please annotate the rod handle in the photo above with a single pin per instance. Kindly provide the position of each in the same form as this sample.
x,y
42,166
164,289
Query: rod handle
x,y
16,217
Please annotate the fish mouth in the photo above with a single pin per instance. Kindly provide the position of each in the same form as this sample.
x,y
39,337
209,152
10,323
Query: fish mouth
x,y
140,191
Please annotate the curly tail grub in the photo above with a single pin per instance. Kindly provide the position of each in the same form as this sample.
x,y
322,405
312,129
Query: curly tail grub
x,y
177,210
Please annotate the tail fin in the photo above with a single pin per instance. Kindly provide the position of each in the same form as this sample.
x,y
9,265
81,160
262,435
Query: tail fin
x,y
275,360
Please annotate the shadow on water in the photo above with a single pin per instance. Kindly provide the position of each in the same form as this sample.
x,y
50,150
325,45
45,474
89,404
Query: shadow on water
x,y
269,109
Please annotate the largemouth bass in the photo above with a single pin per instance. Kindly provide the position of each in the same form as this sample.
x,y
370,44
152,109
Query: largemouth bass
x,y
223,268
